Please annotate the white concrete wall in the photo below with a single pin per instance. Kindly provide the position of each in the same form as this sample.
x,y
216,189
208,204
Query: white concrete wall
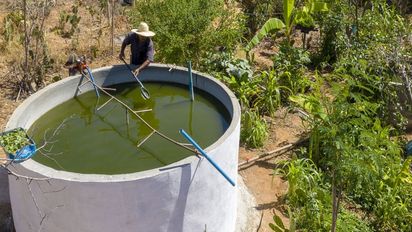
x,y
4,187
189,195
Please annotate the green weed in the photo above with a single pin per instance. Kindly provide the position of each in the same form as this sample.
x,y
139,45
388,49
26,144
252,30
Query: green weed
x,y
253,130
14,141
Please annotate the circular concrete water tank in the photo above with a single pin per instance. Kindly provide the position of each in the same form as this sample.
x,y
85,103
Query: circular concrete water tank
x,y
189,195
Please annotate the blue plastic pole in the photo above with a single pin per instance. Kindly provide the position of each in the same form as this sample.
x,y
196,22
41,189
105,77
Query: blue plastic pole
x,y
192,97
94,83
206,156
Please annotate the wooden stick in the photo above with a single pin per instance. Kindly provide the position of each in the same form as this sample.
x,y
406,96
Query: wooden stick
x,y
127,117
105,103
78,88
144,140
18,94
270,153
142,120
141,111
266,154
110,89
88,81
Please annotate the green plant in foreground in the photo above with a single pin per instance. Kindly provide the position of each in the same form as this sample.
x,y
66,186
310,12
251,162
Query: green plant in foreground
x,y
254,131
14,141
361,160
310,201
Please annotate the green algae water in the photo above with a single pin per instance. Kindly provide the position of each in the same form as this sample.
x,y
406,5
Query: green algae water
x,y
93,141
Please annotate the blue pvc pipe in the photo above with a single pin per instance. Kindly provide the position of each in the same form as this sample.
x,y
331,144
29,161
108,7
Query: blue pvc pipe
x,y
93,82
192,97
206,156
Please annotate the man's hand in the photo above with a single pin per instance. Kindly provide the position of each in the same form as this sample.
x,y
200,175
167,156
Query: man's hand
x,y
136,72
121,56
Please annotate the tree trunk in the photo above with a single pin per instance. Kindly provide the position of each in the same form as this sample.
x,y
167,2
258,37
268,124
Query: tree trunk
x,y
336,196
112,22
26,46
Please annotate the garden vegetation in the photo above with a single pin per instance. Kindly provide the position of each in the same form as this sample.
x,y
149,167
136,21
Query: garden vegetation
x,y
353,174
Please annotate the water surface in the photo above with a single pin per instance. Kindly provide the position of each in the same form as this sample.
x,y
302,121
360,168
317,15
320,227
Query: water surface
x,y
102,142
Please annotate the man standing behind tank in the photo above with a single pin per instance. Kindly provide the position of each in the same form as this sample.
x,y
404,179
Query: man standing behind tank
x,y
141,47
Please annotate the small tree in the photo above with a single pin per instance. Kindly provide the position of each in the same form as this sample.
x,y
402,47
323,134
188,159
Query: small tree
x,y
31,69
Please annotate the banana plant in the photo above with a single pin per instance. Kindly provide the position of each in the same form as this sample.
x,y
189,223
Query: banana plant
x,y
291,17
274,24
304,16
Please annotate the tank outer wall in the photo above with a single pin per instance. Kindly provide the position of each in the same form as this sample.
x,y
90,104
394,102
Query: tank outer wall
x,y
189,195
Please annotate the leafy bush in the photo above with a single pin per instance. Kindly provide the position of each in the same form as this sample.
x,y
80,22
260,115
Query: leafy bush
x,y
290,64
309,197
355,149
223,63
262,91
278,225
348,221
27,23
294,12
245,90
188,30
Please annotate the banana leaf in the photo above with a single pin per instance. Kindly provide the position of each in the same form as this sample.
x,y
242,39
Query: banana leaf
x,y
272,25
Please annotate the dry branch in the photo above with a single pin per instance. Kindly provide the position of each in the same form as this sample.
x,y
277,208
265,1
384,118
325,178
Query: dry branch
x,y
270,154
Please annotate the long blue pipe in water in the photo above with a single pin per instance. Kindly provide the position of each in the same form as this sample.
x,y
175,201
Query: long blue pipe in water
x,y
206,156
93,82
192,97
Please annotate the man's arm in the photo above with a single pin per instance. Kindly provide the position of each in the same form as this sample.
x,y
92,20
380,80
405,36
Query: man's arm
x,y
125,42
141,67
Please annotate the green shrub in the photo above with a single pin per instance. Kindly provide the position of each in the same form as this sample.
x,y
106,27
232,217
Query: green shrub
x,y
355,149
310,199
290,65
237,75
72,18
224,63
188,30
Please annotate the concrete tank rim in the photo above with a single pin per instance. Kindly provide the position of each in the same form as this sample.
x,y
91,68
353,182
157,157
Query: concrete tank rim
x,y
49,172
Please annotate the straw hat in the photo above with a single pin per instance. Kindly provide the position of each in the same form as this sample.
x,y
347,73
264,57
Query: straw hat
x,y
143,30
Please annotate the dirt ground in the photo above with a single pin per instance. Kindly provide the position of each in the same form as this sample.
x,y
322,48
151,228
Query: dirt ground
x,y
268,189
